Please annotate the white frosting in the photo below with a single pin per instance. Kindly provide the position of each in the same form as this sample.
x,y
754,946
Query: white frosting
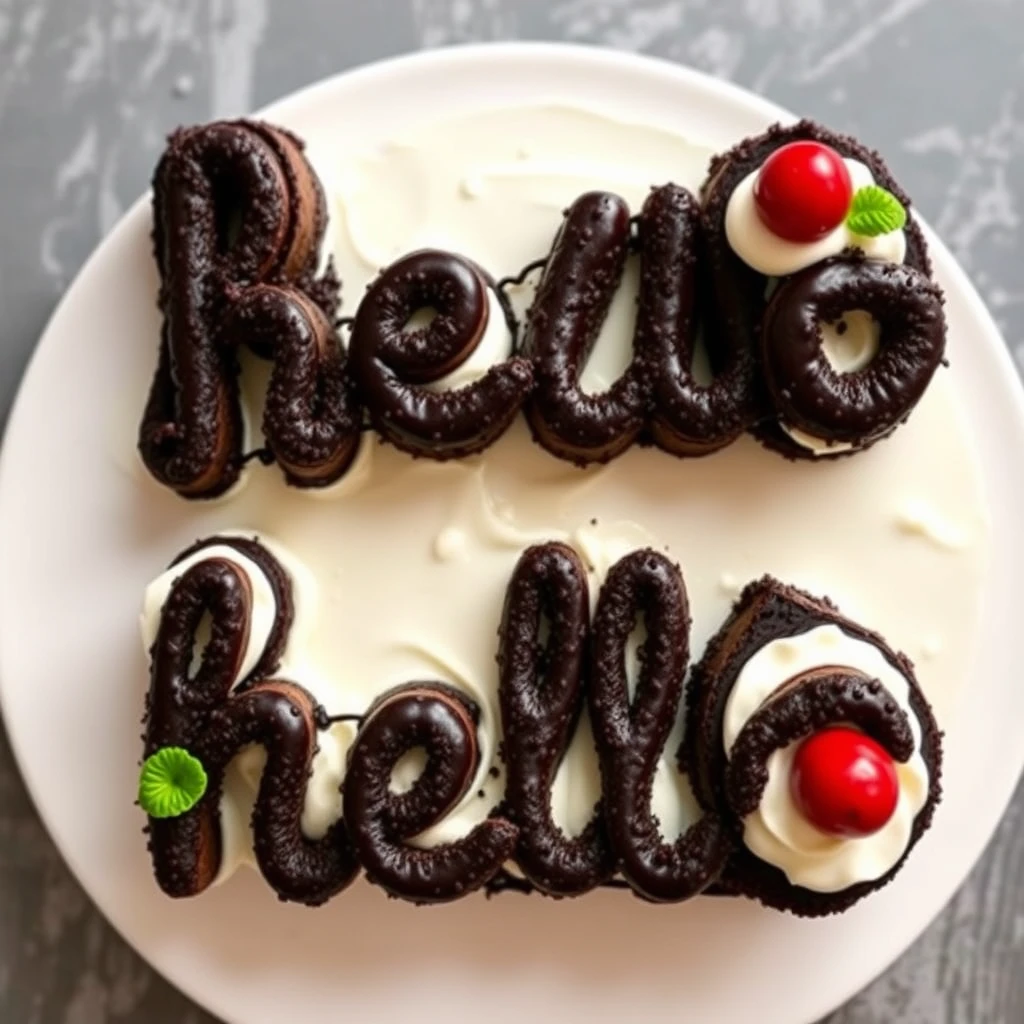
x,y
921,519
495,347
759,247
777,832
412,558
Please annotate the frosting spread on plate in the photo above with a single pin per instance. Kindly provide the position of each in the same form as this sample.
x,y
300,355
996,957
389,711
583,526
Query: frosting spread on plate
x,y
411,559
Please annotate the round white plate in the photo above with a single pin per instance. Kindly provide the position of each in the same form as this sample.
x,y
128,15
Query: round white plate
x,y
79,537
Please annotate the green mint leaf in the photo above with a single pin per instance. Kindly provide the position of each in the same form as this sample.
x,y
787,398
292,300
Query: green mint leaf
x,y
875,211
172,782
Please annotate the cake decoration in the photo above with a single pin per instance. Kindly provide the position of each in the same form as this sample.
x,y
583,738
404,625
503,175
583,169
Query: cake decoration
x,y
803,191
691,284
171,782
541,690
442,722
237,207
781,685
875,211
401,371
631,732
844,782
810,762
872,263
799,227
582,273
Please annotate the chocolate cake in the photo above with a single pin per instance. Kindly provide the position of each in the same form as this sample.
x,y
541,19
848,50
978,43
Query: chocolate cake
x,y
732,771
799,764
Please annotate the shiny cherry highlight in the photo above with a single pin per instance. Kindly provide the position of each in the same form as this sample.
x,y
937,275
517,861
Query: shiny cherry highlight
x,y
844,783
803,191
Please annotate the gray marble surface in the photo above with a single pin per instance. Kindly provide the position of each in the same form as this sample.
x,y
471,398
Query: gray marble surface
x,y
88,88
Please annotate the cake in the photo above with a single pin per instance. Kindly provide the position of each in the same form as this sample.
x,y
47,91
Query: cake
x,y
581,749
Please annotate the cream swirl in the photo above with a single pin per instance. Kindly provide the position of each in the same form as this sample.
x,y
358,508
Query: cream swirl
x,y
767,253
777,832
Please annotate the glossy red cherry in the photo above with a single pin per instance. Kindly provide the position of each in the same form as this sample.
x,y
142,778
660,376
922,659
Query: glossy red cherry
x,y
803,191
844,783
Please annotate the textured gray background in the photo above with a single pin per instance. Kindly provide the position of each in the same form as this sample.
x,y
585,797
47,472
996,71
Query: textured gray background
x,y
88,88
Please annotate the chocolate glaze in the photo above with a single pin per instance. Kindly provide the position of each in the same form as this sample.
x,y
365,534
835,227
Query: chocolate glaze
x,y
769,610
235,204
811,702
311,421
579,282
280,584
631,734
679,263
390,363
442,722
280,717
541,691
865,405
186,850
207,714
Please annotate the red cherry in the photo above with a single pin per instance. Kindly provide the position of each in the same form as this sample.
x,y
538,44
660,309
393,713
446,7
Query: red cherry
x,y
844,783
803,191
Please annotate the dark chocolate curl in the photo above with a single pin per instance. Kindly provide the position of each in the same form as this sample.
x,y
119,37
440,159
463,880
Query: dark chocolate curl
x,y
281,718
580,279
863,406
805,705
391,362
541,691
689,418
441,721
235,203
631,734
311,421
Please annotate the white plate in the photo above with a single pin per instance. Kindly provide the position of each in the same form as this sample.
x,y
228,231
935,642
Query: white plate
x,y
78,539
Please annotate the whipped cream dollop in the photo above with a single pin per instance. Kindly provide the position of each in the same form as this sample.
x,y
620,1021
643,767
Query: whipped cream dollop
x,y
495,347
759,247
777,832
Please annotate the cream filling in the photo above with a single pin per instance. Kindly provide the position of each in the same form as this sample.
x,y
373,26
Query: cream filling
x,y
777,832
760,248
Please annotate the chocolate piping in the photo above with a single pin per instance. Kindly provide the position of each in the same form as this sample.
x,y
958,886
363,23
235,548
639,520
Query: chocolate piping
x,y
381,822
390,363
541,691
235,204
186,850
808,703
281,717
689,418
867,404
310,420
280,584
580,278
631,734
